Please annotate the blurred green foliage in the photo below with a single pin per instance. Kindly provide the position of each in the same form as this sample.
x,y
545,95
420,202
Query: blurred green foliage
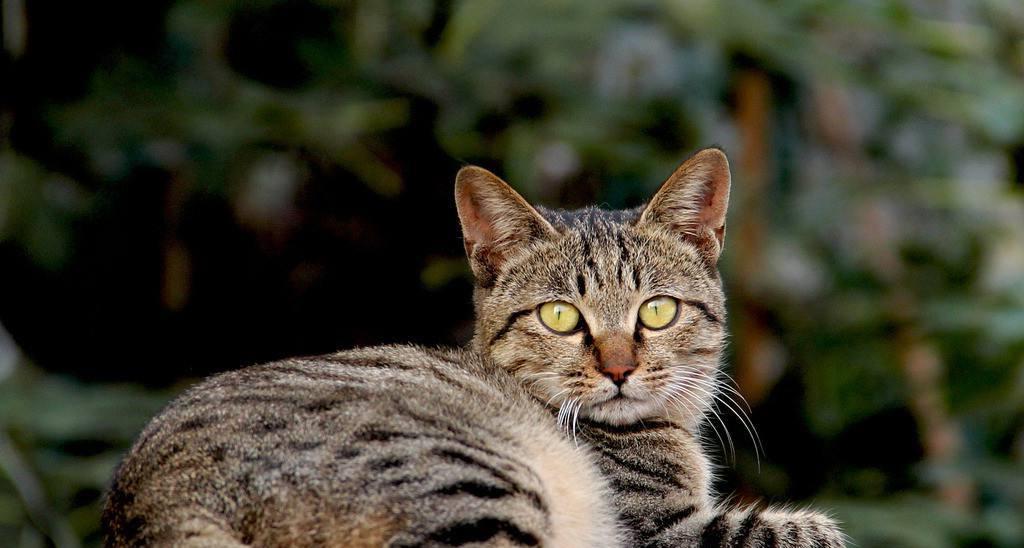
x,y
876,247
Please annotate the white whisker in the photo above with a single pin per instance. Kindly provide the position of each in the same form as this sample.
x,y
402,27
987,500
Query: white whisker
x,y
724,384
677,385
561,411
575,417
734,406
565,413
712,388
691,408
559,393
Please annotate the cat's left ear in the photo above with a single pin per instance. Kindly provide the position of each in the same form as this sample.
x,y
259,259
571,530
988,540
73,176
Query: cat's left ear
x,y
693,201
496,221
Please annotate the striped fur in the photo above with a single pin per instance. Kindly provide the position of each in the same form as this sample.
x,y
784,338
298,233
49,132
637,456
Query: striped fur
x,y
517,440
660,478
313,452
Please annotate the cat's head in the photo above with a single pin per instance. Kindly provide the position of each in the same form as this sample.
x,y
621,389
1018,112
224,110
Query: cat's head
x,y
613,315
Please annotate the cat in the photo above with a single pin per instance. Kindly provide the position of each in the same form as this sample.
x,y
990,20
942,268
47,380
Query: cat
x,y
571,420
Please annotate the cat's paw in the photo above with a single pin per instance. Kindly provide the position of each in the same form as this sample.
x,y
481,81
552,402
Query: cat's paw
x,y
776,528
753,528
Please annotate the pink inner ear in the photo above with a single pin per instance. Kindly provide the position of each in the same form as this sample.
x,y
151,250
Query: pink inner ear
x,y
494,218
712,208
476,227
715,199
694,200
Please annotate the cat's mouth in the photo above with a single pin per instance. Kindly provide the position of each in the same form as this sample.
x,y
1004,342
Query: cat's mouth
x,y
620,408
609,403
617,397
636,393
620,395
628,403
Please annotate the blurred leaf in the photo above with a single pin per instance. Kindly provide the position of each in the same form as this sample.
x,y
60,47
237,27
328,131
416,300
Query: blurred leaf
x,y
907,522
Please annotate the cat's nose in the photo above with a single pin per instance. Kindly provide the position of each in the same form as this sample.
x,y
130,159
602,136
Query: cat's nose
x,y
615,358
617,373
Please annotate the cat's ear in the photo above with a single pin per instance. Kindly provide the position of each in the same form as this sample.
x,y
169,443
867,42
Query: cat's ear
x,y
495,219
693,201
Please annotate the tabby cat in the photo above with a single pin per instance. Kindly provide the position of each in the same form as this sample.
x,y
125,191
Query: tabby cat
x,y
571,420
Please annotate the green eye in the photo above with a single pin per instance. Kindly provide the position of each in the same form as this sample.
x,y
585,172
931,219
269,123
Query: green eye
x,y
559,316
658,312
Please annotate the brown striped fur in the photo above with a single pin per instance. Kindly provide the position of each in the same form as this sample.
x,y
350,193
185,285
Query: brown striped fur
x,y
517,440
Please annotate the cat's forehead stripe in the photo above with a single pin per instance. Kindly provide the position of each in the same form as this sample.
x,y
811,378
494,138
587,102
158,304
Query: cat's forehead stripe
x,y
589,219
601,256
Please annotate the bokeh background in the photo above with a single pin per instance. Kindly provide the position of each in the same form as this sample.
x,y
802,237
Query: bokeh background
x,y
188,186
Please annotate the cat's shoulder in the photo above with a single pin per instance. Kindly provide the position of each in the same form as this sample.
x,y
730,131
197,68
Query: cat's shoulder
x,y
397,357
408,362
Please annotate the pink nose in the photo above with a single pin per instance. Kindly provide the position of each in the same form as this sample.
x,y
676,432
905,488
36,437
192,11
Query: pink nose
x,y
615,358
618,373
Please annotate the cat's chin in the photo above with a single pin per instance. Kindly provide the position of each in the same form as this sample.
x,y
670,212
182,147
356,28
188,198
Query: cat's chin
x,y
621,411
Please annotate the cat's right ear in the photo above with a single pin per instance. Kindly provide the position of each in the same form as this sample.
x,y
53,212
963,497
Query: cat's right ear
x,y
495,219
693,201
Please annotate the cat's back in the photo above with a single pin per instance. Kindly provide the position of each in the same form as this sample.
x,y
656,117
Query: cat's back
x,y
388,445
